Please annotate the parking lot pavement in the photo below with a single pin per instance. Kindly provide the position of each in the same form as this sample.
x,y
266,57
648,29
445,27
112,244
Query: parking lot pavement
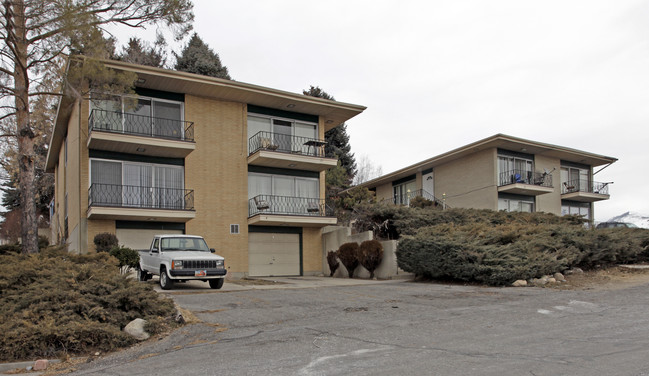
x,y
273,283
396,328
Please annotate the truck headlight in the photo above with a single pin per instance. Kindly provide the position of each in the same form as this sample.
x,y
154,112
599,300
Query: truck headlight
x,y
220,264
176,264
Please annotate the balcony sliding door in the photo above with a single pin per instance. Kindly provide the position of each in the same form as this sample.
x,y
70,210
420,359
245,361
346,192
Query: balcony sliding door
x,y
106,180
166,120
138,185
168,192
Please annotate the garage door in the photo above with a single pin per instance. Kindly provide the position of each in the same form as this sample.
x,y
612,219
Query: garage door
x,y
273,254
140,238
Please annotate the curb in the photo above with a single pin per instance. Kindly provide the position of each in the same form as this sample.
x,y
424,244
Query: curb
x,y
4,367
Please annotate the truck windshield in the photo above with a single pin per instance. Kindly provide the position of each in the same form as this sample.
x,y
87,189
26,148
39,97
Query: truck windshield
x,y
183,244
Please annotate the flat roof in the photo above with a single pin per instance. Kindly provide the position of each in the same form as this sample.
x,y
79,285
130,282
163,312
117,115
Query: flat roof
x,y
333,113
501,141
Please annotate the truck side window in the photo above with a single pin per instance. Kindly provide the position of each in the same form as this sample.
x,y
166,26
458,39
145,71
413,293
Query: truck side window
x,y
155,245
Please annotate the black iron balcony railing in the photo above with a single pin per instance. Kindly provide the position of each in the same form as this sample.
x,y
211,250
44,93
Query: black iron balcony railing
x,y
285,143
139,125
542,179
284,205
405,198
584,185
131,196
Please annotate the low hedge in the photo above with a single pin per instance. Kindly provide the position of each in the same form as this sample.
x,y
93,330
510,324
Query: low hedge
x,y
500,254
56,303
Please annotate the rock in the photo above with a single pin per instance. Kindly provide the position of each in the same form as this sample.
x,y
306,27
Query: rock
x,y
520,283
539,281
559,277
40,365
135,328
574,271
552,280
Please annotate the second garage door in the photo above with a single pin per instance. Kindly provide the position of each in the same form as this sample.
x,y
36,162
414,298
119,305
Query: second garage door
x,y
272,254
140,238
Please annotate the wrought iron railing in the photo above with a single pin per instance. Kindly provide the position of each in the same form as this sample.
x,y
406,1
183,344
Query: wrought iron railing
x,y
584,185
131,196
405,198
542,179
284,205
139,125
285,143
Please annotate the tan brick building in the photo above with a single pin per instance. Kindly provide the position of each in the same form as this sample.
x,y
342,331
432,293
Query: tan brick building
x,y
503,173
240,164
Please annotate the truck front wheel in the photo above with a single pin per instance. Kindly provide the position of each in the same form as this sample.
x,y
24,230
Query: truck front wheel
x,y
141,274
165,282
216,283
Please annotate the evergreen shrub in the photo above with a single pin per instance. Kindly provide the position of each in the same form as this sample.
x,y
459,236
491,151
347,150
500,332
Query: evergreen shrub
x,y
332,260
54,303
128,258
348,255
105,241
370,254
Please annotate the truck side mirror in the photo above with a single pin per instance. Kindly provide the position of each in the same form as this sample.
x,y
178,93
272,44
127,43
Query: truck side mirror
x,y
212,250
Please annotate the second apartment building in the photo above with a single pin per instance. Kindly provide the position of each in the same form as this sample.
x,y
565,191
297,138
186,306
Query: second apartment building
x,y
240,164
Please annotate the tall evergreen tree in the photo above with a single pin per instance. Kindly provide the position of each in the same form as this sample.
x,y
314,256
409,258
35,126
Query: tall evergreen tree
x,y
197,57
140,52
337,140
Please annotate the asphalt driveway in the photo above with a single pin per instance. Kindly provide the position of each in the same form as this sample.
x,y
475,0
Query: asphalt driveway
x,y
395,328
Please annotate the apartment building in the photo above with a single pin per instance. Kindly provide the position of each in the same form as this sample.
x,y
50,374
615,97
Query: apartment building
x,y
503,173
240,164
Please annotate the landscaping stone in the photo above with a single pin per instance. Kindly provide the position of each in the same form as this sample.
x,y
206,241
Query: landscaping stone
x,y
574,271
135,328
40,365
559,277
520,283
552,280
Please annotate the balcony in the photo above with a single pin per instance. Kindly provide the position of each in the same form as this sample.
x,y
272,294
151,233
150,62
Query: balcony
x,y
285,151
282,211
583,190
137,134
405,198
128,202
522,182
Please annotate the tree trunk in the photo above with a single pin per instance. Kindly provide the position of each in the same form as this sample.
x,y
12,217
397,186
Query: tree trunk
x,y
16,22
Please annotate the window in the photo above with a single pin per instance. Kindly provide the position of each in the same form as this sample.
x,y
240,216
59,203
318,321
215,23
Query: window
x,y
282,185
575,208
284,134
234,229
513,203
513,169
575,179
141,115
404,192
121,183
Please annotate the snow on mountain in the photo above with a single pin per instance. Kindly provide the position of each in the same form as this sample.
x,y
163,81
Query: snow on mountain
x,y
632,217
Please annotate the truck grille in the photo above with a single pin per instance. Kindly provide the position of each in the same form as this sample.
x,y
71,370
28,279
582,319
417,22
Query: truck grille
x,y
200,264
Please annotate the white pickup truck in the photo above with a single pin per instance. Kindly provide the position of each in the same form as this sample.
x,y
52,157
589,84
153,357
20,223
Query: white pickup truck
x,y
181,258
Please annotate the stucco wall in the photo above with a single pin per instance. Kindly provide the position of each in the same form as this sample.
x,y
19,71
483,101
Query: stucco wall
x,y
549,202
469,182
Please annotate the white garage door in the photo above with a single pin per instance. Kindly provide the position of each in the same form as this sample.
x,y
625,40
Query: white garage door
x,y
273,254
139,238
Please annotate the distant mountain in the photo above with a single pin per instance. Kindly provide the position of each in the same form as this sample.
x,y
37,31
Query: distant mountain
x,y
631,217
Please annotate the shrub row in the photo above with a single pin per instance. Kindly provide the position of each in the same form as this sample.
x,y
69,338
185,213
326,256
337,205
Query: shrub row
x,y
522,247
369,254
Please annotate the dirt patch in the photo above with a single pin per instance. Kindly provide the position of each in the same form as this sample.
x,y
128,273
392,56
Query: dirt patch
x,y
613,278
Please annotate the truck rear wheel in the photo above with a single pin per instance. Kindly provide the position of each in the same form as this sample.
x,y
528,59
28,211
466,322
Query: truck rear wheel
x,y
141,274
217,283
165,282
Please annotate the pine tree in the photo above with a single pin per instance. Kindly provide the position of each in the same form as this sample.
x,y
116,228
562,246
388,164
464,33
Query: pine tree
x,y
140,52
197,57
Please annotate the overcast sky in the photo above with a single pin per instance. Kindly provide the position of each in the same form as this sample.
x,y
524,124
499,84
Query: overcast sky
x,y
436,75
